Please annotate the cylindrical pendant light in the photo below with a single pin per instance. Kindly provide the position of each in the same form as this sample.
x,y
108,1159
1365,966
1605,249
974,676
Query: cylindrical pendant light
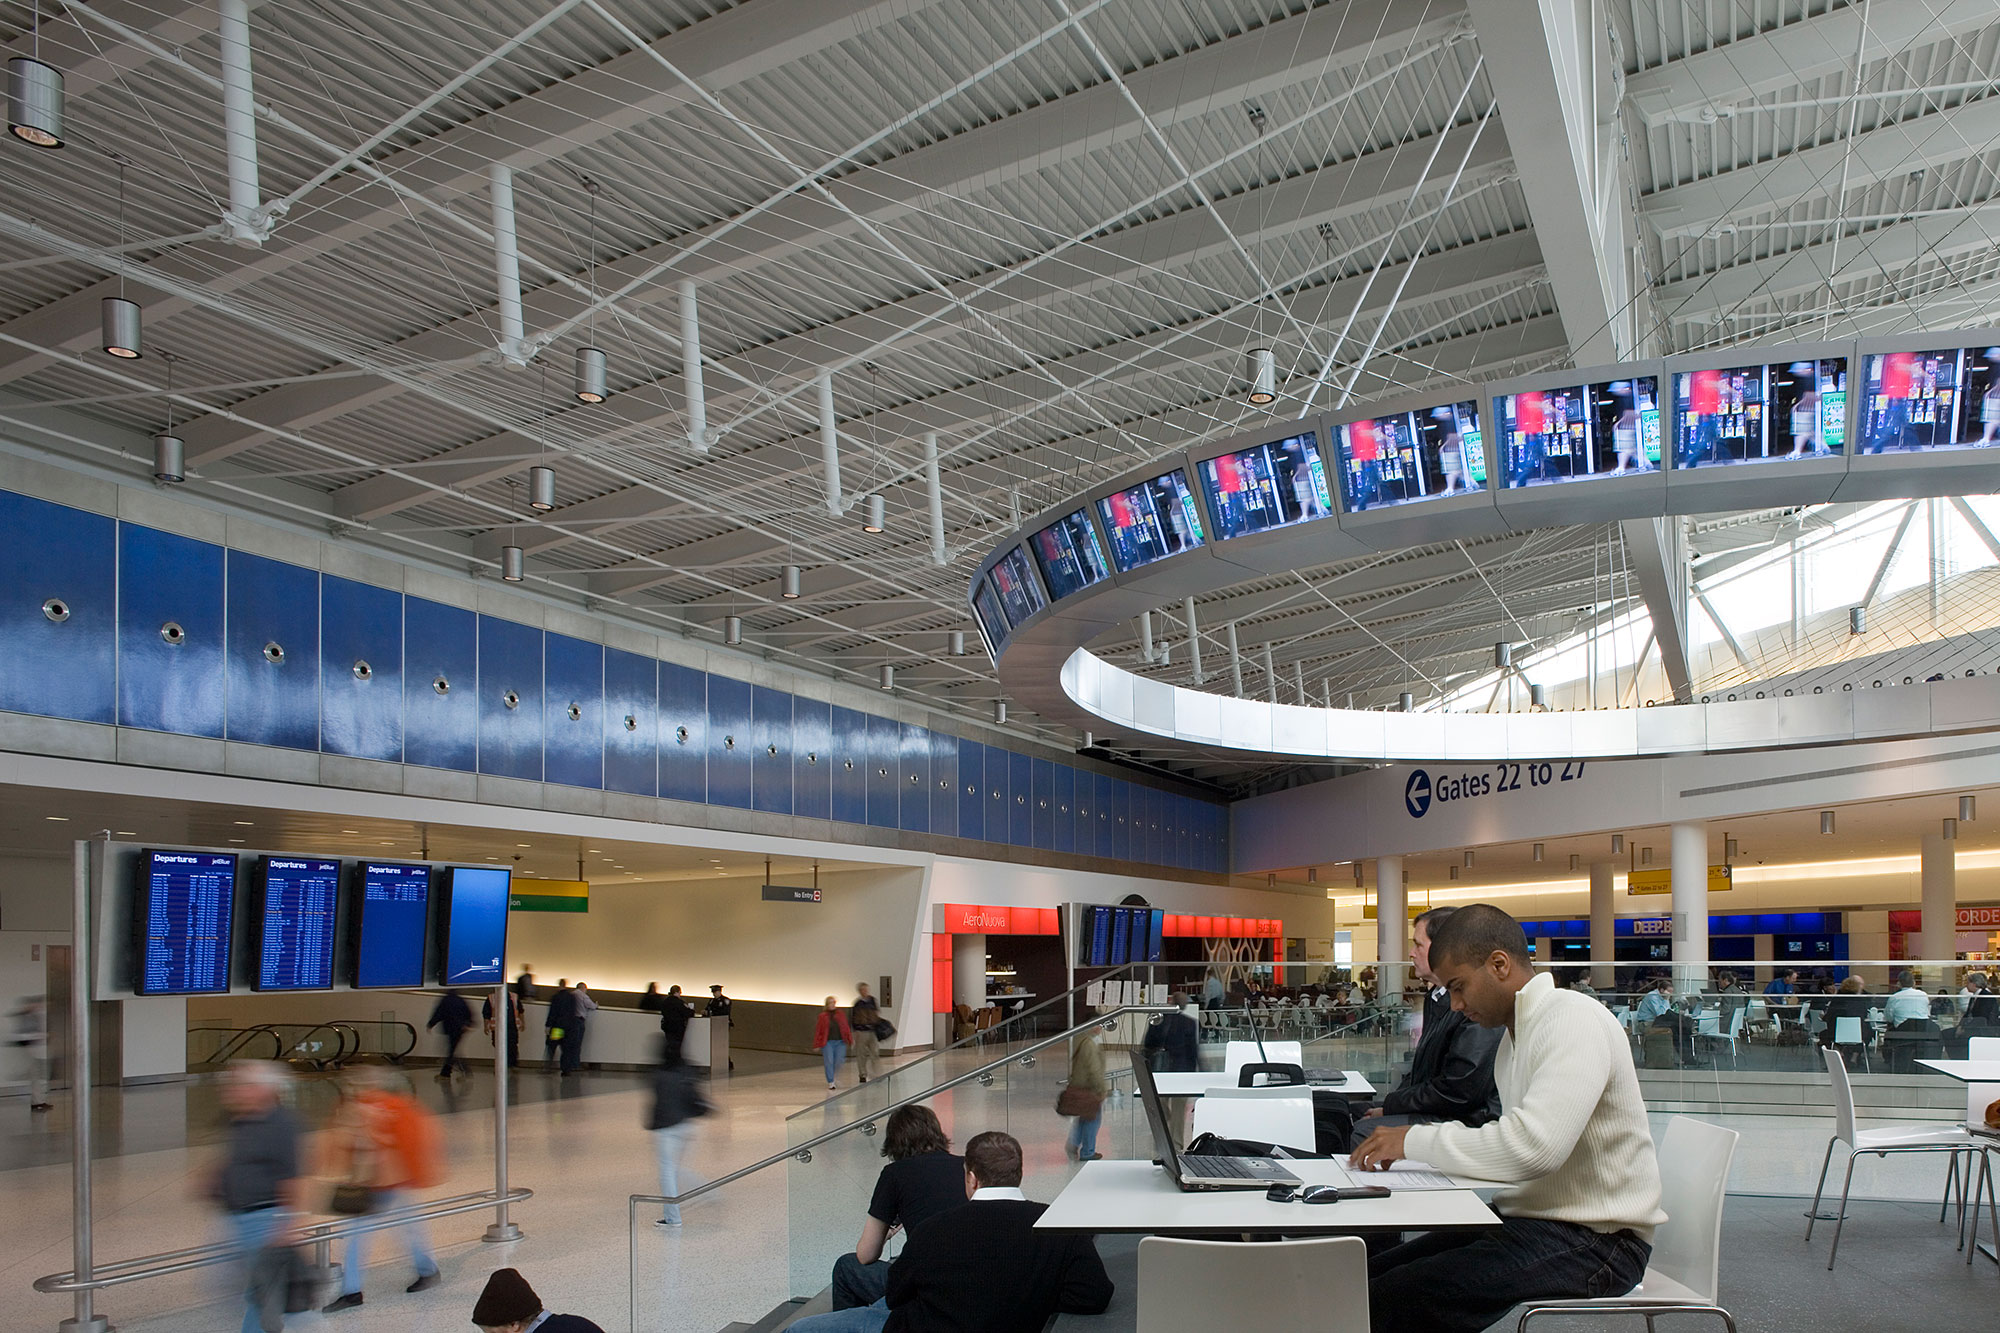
x,y
1728,848
955,645
1454,872
1857,620
513,564
788,587
35,102
590,368
1617,844
1468,860
1825,822
1951,830
732,630
1968,809
1538,853
1000,712
1645,856
888,677
1263,377
121,328
1575,861
1503,655
542,488
1406,702
1538,696
169,451
875,521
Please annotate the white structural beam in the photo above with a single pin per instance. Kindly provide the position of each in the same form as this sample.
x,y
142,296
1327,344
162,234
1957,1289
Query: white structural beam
x,y
245,220
1935,140
1798,53
1657,549
720,53
1553,75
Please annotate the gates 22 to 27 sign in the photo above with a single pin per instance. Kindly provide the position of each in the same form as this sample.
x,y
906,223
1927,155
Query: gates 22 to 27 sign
x,y
1420,791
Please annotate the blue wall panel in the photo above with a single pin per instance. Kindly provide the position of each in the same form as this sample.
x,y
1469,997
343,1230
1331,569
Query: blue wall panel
x,y
771,753
1065,808
440,653
573,713
916,780
273,652
944,785
850,766
1102,817
683,733
164,579
1152,851
885,761
971,789
1042,800
999,809
360,670
812,758
729,770
1020,799
631,723
52,553
510,699
1125,841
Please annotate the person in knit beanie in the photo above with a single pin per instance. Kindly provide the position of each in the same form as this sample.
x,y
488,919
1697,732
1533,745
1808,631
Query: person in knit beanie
x,y
509,1305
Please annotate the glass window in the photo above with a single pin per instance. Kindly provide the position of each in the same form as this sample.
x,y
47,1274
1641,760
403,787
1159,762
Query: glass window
x,y
1267,486
1151,521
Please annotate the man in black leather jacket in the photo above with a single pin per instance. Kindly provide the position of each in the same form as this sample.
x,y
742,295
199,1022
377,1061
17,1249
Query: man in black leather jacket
x,y
1451,1076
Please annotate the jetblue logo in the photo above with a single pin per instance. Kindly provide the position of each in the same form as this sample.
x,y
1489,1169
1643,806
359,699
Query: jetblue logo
x,y
1417,793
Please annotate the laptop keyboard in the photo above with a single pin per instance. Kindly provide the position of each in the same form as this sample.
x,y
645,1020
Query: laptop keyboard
x,y
1238,1168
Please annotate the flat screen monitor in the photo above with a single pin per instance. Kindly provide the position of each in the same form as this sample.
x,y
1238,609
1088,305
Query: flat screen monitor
x,y
1774,412
1070,555
1156,929
1151,521
1020,596
295,936
392,916
1930,400
475,926
986,605
1267,486
1121,936
1576,432
1094,947
186,905
1409,456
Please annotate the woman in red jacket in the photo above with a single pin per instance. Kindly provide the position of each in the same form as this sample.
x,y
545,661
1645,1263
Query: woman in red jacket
x,y
831,1037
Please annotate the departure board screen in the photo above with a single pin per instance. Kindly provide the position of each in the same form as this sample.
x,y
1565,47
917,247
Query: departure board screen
x,y
1574,432
1020,595
1094,948
1156,930
1070,555
295,937
1151,521
1121,936
475,933
1947,399
1410,456
1760,413
986,605
1269,486
392,915
187,901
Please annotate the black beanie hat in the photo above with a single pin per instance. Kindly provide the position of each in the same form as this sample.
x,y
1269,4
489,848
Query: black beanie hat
x,y
507,1299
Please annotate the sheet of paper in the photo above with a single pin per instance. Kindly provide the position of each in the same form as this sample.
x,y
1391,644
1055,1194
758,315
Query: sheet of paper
x,y
1405,1175
1093,995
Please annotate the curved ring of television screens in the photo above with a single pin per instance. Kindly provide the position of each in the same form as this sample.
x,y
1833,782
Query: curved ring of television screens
x,y
1748,428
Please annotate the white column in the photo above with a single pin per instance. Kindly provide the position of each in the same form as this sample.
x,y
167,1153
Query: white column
x,y
968,970
934,498
691,371
829,446
1690,884
1938,874
1603,926
239,122
506,265
1392,926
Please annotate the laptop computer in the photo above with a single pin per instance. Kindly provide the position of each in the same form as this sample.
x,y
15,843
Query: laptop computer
x,y
1202,1173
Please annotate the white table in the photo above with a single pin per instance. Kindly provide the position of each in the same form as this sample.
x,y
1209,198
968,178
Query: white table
x,y
1137,1198
1197,1084
1977,1071
1966,1071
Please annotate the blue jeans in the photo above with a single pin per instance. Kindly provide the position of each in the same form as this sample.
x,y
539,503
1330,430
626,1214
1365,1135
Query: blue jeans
x,y
1460,1282
253,1232
863,1319
415,1234
668,1146
833,1055
856,1284
1083,1136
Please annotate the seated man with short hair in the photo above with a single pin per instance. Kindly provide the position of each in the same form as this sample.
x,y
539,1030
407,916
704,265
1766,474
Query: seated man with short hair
x,y
982,1267
1572,1144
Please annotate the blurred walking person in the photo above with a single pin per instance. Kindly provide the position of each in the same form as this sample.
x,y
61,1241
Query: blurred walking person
x,y
831,1038
31,1039
1083,1098
454,1015
258,1183
515,1018
863,1019
382,1147
677,1104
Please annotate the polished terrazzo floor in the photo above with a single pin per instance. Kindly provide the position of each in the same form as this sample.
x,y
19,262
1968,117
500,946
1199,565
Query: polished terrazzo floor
x,y
579,1145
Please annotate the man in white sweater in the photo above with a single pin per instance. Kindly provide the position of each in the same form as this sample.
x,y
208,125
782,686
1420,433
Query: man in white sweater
x,y
1571,1144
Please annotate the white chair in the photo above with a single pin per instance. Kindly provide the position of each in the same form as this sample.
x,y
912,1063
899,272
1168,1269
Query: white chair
x,y
1263,1115
1710,1031
1757,1018
1684,1274
1891,1138
1240,1053
1847,1032
1979,1096
1299,1286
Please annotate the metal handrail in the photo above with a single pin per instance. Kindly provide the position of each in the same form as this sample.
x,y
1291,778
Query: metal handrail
x,y
1108,1021
320,1235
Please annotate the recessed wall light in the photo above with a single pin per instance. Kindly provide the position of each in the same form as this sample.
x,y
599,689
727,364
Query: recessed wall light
x,y
58,819
246,823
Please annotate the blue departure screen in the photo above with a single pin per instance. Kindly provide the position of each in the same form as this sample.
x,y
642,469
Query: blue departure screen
x,y
1095,947
475,935
394,911
1121,937
1156,931
295,943
186,903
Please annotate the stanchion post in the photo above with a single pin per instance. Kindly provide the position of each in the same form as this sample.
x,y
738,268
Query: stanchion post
x,y
85,1319
502,1229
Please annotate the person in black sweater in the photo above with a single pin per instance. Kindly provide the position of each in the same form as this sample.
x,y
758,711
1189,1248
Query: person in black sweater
x,y
982,1267
509,1305
675,1015
565,1017
454,1015
1451,1074
1173,1045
